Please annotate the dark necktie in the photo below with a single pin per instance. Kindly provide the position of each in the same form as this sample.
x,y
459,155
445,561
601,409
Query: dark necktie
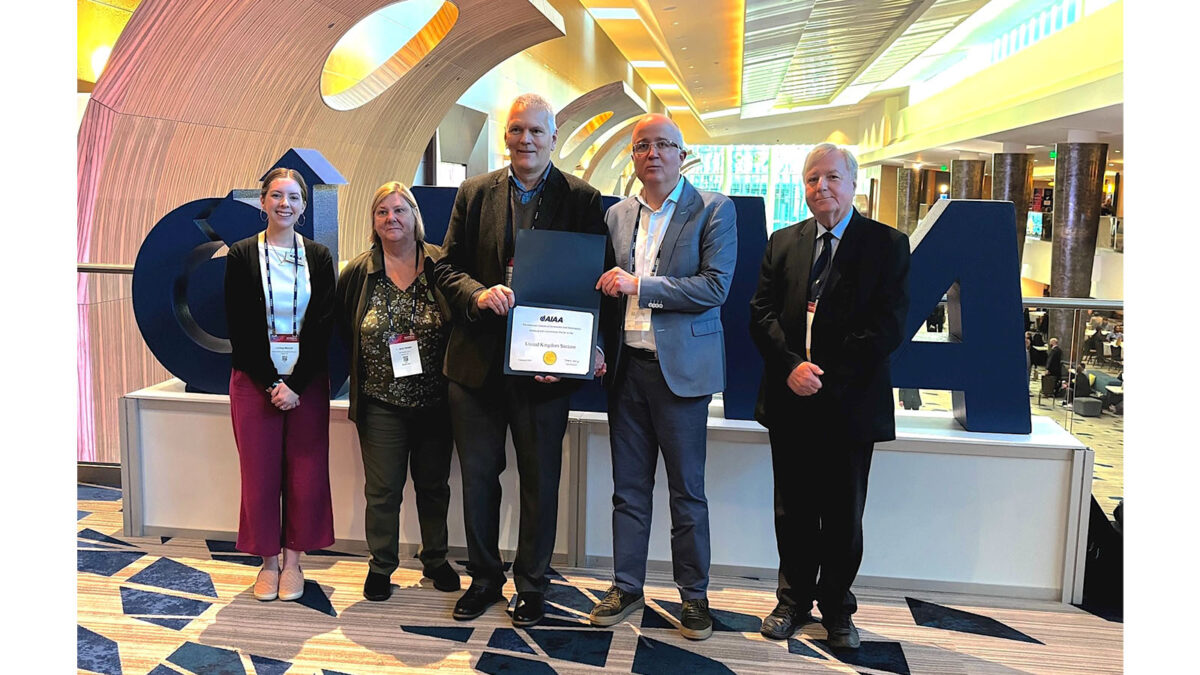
x,y
817,277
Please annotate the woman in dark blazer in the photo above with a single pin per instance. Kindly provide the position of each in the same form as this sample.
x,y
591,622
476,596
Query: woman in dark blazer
x,y
279,305
396,323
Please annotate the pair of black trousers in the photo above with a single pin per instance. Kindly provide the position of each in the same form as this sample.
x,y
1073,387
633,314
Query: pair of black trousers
x,y
395,441
820,494
537,420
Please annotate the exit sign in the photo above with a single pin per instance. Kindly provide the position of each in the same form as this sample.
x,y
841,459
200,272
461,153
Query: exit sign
x,y
1053,154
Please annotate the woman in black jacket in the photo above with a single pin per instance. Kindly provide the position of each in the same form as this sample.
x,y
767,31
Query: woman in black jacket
x,y
279,305
396,323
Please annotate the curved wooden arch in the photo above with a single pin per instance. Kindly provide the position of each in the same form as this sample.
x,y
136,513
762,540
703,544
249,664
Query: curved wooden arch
x,y
615,97
199,98
605,168
387,74
202,97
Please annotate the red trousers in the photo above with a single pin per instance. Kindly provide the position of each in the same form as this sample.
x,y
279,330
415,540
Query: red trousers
x,y
284,458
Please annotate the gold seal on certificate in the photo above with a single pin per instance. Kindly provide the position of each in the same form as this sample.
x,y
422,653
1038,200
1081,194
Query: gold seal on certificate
x,y
552,341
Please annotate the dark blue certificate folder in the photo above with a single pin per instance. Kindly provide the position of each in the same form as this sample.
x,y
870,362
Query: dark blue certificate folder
x,y
556,270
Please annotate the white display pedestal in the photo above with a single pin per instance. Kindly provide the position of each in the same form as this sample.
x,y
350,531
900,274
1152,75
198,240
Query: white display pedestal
x,y
996,514
179,471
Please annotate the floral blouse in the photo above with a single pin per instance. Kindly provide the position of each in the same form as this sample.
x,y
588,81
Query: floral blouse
x,y
391,312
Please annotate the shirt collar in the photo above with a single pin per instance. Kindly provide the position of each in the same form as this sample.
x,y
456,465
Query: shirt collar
x,y
516,182
839,229
672,198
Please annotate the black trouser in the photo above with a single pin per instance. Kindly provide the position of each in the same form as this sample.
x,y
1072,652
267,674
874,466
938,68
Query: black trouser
x,y
479,418
394,441
820,493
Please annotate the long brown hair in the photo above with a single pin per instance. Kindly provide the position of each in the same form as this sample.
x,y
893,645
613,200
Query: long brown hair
x,y
284,172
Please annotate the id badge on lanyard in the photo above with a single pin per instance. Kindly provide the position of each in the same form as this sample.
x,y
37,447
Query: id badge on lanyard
x,y
639,318
508,269
285,351
406,355
812,311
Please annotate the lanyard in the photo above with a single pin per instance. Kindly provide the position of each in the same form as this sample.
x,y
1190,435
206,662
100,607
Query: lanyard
x,y
412,314
512,222
295,285
633,245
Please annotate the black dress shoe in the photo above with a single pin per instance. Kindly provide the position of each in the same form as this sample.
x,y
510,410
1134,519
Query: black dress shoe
x,y
444,578
615,606
475,602
377,587
696,622
842,632
784,621
530,609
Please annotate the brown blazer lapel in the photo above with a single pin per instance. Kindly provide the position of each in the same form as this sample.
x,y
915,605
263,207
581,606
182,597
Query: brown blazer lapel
x,y
493,217
553,195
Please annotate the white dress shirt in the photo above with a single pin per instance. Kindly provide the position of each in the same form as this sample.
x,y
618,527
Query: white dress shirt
x,y
652,225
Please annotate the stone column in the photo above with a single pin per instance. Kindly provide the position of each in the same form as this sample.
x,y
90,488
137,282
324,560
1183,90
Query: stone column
x,y
966,179
1012,181
907,200
1078,191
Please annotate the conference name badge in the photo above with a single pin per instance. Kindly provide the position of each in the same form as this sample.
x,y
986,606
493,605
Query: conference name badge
x,y
552,341
636,318
285,351
406,355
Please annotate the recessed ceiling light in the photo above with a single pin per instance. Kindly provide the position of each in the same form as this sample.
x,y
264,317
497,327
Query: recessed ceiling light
x,y
721,113
675,23
614,13
684,48
1118,151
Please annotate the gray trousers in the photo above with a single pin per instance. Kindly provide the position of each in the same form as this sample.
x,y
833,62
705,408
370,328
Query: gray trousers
x,y
645,417
394,441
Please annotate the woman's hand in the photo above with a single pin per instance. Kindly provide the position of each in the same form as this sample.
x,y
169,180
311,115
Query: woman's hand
x,y
283,397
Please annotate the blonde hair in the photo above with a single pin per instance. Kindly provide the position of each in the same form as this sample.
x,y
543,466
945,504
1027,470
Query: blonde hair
x,y
398,188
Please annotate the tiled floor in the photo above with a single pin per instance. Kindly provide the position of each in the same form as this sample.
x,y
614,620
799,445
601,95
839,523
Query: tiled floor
x,y
168,606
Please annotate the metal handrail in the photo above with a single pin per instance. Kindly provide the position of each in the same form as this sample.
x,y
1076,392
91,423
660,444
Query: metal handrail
x,y
103,268
1073,303
1039,302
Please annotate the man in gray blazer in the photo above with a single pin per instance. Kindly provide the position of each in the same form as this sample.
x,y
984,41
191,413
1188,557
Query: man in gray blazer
x,y
676,248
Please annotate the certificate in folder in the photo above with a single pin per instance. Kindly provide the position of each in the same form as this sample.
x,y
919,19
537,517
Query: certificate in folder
x,y
552,329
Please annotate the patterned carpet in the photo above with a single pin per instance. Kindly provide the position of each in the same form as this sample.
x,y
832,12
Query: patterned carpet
x,y
184,606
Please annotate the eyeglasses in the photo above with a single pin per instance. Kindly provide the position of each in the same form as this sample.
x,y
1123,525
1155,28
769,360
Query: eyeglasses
x,y
662,146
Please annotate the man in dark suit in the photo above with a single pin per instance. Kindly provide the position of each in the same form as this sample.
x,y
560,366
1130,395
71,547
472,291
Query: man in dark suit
x,y
676,250
830,308
475,276
1054,359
